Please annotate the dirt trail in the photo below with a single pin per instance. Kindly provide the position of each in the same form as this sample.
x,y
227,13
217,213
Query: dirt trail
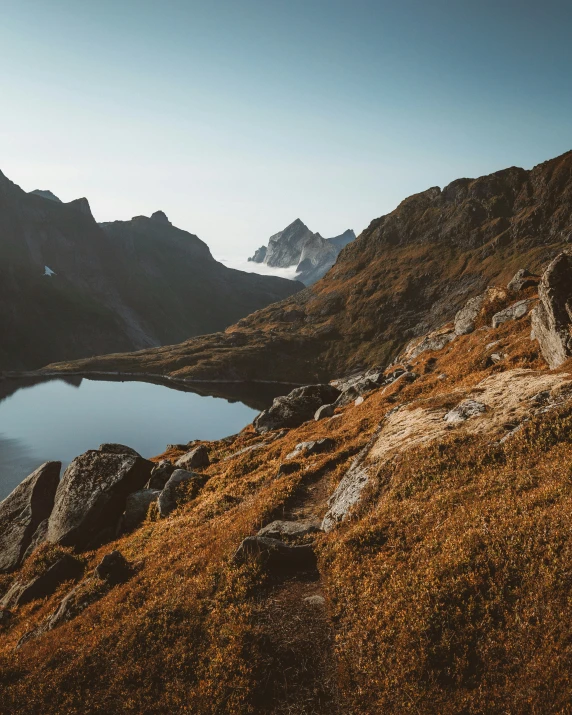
x,y
295,629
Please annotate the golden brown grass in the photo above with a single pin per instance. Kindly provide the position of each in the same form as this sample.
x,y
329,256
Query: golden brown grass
x,y
449,594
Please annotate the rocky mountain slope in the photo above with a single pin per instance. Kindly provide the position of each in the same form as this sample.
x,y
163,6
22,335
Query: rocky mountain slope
x,y
71,288
396,541
406,274
297,246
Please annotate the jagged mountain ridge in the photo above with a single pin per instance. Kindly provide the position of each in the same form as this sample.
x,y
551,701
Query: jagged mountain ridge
x,y
297,246
120,286
406,274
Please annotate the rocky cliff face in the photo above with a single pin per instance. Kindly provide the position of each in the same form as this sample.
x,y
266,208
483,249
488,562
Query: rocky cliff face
x,y
297,246
71,288
408,273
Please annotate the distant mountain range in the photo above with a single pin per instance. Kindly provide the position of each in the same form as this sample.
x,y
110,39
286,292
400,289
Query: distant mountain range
x,y
297,246
72,288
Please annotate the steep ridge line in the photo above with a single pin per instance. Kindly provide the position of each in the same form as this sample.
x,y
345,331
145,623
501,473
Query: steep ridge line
x,y
406,274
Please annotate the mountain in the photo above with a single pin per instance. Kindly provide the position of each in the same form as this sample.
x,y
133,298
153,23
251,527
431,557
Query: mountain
x,y
407,273
396,542
71,288
297,246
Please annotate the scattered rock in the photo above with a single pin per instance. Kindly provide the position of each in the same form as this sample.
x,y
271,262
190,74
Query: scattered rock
x,y
552,317
195,459
521,280
114,448
314,447
359,401
160,475
466,318
136,508
433,341
92,494
275,555
513,312
297,407
541,398
245,450
64,569
113,568
324,411
290,529
288,468
315,600
22,512
464,410
169,498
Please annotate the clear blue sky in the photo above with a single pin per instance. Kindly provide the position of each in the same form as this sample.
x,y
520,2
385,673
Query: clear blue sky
x,y
237,116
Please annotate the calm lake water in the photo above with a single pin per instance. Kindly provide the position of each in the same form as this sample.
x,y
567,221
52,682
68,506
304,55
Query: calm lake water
x,y
58,420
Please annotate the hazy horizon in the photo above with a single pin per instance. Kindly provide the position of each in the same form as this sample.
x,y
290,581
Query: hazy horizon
x,y
235,119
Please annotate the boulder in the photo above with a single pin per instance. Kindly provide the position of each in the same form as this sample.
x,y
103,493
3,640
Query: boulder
x,y
113,568
314,447
295,408
284,530
64,569
433,341
522,280
168,500
355,390
466,318
136,508
115,448
160,475
22,512
275,555
92,494
513,312
288,468
195,459
324,411
464,410
552,317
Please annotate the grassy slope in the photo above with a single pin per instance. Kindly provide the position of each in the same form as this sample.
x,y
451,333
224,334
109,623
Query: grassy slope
x,y
450,593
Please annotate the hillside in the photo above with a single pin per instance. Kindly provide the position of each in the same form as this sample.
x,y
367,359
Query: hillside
x,y
408,272
407,550
70,288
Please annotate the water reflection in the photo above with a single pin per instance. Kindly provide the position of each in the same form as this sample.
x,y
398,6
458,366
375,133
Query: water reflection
x,y
57,419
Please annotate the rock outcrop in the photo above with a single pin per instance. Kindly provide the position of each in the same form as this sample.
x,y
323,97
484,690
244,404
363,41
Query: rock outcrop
x,y
66,568
522,280
297,407
23,512
552,317
136,509
180,479
92,494
195,459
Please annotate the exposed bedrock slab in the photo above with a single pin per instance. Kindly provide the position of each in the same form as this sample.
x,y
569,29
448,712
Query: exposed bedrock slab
x,y
23,511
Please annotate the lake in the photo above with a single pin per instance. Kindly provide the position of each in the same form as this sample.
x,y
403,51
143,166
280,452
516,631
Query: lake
x,y
59,419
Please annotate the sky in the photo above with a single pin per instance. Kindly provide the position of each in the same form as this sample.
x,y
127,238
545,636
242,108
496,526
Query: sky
x,y
237,116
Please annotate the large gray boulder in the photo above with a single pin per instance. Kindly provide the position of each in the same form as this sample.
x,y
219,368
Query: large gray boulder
x,y
297,407
287,530
522,280
22,512
180,481
92,494
195,459
466,317
513,312
552,317
136,508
